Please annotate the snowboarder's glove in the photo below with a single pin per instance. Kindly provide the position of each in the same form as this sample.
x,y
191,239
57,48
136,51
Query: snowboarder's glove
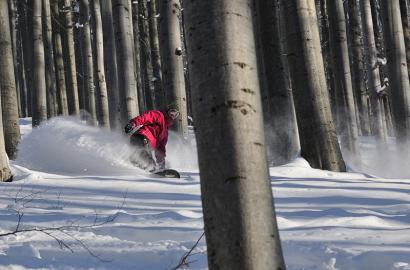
x,y
131,129
128,128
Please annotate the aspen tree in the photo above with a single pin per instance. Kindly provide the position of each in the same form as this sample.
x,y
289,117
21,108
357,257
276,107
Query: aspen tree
x,y
319,143
39,69
10,118
372,71
241,231
125,62
343,80
49,61
171,56
72,91
397,68
110,63
59,61
103,96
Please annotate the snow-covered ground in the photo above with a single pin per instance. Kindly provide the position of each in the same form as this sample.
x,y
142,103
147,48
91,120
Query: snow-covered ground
x,y
107,214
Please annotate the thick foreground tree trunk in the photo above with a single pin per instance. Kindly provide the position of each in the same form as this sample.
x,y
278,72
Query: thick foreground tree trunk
x,y
241,231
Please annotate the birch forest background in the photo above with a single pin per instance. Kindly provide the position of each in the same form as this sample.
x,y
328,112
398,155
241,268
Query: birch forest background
x,y
260,83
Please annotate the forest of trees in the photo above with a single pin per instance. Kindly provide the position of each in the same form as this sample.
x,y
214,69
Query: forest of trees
x,y
262,81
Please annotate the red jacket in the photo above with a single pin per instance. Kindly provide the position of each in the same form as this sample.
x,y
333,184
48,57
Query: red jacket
x,y
155,129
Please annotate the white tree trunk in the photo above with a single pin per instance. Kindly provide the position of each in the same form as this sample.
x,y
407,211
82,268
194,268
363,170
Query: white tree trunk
x,y
125,60
343,80
8,88
240,223
103,96
88,64
397,68
110,61
59,61
357,65
49,61
277,98
171,55
155,55
373,77
39,72
319,144
73,102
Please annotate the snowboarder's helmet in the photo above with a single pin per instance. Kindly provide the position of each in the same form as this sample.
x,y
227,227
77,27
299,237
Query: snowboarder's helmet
x,y
173,110
173,113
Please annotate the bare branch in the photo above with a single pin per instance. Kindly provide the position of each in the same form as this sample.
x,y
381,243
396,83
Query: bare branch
x,y
183,262
65,229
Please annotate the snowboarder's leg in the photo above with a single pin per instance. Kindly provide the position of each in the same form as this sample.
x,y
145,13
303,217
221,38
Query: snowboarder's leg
x,y
142,156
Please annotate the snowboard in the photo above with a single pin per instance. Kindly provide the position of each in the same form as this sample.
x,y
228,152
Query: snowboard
x,y
167,173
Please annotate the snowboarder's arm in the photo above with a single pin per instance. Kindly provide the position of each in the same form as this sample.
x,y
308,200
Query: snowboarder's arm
x,y
130,129
145,119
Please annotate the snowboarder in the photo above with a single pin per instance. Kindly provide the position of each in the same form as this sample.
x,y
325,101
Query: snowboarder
x,y
149,131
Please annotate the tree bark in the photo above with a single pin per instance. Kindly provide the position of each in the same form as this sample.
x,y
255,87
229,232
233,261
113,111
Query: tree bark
x,y
341,67
319,144
26,13
72,91
88,61
171,55
397,68
241,232
372,70
126,78
39,72
277,101
110,64
139,71
49,61
103,96
59,61
404,10
145,54
21,66
13,32
155,55
5,171
357,64
10,116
